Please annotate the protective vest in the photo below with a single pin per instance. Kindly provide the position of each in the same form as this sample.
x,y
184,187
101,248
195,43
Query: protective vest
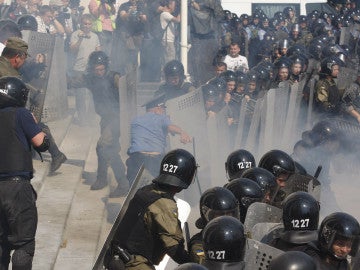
x,y
14,156
132,234
105,93
97,25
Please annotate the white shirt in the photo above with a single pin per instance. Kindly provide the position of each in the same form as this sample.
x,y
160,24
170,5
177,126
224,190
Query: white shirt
x,y
234,63
165,19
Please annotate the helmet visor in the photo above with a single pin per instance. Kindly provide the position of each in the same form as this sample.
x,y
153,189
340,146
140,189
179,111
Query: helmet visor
x,y
210,214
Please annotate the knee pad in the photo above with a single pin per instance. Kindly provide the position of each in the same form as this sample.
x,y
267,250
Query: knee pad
x,y
21,260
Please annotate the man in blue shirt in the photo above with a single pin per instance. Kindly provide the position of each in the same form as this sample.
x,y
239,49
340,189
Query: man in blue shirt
x,y
18,213
148,138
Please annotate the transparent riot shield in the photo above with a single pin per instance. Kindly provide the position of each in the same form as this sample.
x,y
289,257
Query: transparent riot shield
x,y
309,115
240,135
273,118
307,183
345,36
294,122
346,77
188,112
99,263
260,230
261,213
41,50
253,138
258,255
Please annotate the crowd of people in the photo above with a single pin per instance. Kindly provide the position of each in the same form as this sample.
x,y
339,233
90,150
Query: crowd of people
x,y
235,60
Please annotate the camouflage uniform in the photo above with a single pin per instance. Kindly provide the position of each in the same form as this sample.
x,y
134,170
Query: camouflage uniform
x,y
327,97
150,229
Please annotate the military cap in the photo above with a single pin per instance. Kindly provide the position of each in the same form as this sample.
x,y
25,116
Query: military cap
x,y
16,43
158,101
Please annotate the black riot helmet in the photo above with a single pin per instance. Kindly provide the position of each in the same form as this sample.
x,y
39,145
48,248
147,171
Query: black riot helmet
x,y
339,226
237,162
211,93
296,49
315,50
241,78
219,83
328,63
190,266
293,260
97,58
253,75
218,201
323,132
277,162
301,212
228,75
27,22
177,169
224,240
247,192
13,92
265,179
174,68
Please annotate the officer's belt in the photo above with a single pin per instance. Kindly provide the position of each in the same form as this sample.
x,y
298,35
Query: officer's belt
x,y
14,178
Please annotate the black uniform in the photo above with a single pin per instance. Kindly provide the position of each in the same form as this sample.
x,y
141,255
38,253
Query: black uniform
x,y
18,213
106,101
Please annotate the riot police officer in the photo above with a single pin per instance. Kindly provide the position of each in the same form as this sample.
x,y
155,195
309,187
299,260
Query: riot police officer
x,y
104,86
300,219
338,237
224,244
12,59
214,202
150,227
175,84
18,213
265,179
293,260
327,94
282,166
279,163
246,191
237,162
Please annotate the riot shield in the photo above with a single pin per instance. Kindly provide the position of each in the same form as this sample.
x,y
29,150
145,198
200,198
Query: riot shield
x,y
346,77
252,138
258,255
41,49
99,263
262,229
188,112
273,118
307,183
261,213
291,133
309,115
344,36
240,125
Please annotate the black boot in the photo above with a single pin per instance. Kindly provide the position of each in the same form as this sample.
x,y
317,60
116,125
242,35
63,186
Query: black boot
x,y
57,161
57,157
100,183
